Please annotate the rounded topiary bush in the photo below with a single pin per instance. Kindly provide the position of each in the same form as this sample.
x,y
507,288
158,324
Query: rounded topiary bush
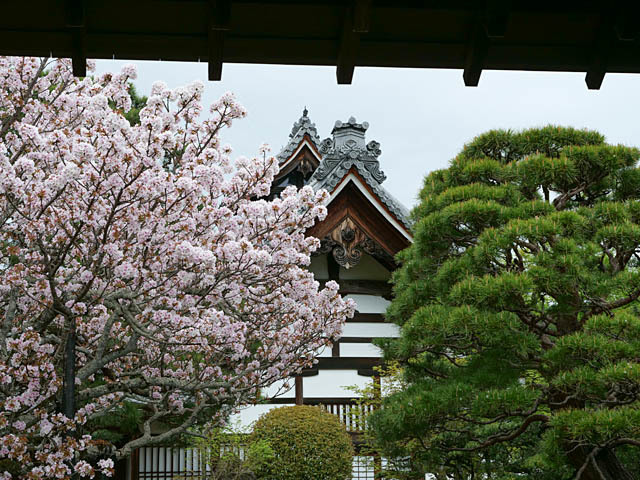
x,y
308,442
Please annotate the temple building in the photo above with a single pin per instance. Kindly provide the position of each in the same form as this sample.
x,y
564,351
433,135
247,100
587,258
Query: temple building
x,y
364,229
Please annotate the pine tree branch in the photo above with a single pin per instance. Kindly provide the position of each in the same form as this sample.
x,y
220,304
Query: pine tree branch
x,y
505,437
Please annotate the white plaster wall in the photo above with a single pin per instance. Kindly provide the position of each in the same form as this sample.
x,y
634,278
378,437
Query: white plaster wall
x,y
359,350
332,383
370,329
244,419
370,303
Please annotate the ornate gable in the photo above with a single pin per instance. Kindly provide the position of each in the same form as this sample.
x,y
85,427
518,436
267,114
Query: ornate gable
x,y
362,216
300,156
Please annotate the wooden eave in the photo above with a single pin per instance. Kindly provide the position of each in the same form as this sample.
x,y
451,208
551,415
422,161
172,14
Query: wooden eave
x,y
306,150
351,203
353,171
590,36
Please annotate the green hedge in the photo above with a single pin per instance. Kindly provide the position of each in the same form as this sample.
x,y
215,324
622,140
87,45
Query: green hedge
x,y
308,442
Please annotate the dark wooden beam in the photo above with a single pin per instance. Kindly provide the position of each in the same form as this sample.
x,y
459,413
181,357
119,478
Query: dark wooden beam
x,y
364,287
367,318
406,33
348,363
361,15
355,340
627,22
497,18
335,349
476,53
347,49
76,25
600,53
314,400
308,372
219,24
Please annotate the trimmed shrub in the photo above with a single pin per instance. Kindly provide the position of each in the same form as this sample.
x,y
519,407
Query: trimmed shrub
x,y
308,443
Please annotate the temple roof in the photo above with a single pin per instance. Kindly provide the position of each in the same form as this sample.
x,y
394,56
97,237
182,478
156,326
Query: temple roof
x,y
300,128
347,152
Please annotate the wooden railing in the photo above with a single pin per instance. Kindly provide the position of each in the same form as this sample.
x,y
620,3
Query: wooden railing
x,y
346,409
352,416
167,463
170,463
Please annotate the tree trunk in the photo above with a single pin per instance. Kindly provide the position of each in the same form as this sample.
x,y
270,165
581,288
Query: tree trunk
x,y
604,466
69,377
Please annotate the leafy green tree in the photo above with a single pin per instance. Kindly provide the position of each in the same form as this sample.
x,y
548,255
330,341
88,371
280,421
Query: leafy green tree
x,y
518,307
138,102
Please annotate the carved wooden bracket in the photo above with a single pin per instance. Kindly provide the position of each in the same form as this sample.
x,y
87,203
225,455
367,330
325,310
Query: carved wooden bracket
x,y
347,242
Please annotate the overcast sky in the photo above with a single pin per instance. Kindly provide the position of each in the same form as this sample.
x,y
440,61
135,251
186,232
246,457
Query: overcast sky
x,y
421,118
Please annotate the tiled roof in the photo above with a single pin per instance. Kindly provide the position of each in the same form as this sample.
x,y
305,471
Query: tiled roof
x,y
300,128
347,150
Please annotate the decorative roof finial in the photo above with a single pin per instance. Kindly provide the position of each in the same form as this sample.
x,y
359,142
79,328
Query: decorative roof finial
x,y
305,112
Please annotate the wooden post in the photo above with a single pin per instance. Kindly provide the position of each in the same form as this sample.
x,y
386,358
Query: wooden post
x,y
135,464
219,24
76,25
299,392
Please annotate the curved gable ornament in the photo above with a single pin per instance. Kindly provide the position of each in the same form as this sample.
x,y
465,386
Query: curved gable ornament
x,y
348,154
347,242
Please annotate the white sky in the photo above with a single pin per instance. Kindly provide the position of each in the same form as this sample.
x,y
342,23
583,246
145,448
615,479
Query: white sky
x,y
421,118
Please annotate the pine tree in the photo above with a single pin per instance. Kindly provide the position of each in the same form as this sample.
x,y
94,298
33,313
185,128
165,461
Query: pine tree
x,y
518,308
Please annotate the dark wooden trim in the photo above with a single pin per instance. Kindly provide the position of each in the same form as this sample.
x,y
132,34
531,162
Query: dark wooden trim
x,y
477,49
598,65
314,400
366,287
626,24
135,464
347,49
352,203
335,349
402,33
380,288
366,185
216,54
497,18
76,25
361,15
307,152
308,372
220,15
299,391
219,21
367,318
355,340
347,363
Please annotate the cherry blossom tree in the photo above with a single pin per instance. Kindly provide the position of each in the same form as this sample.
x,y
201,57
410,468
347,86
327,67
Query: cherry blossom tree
x,y
148,257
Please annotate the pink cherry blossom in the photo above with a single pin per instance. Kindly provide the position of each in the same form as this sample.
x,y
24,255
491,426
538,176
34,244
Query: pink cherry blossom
x,y
188,292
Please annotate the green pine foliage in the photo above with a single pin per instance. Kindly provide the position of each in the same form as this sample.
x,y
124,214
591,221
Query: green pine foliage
x,y
517,303
138,102
308,444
